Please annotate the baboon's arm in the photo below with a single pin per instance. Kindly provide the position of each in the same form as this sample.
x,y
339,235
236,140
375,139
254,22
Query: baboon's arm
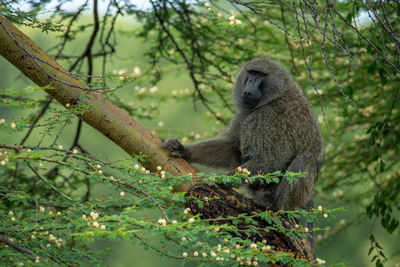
x,y
217,153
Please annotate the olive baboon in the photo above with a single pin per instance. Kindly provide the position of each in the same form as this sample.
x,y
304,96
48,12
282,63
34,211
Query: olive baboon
x,y
274,130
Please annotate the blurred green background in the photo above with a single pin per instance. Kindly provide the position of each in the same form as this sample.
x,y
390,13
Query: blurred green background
x,y
179,119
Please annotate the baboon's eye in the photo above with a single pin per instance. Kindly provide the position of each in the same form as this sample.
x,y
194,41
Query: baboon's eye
x,y
254,72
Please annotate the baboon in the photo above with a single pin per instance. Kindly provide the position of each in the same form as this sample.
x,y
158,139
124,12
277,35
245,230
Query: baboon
x,y
274,129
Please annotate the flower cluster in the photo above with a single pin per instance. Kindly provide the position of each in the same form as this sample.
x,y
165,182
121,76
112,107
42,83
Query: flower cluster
x,y
242,170
4,158
93,217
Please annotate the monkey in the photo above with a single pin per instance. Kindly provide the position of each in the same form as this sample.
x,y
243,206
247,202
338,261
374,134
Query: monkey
x,y
273,129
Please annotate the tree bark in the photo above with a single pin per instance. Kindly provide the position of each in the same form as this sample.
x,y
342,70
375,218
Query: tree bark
x,y
128,134
220,203
102,115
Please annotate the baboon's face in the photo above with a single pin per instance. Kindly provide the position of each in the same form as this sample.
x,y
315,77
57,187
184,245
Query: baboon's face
x,y
259,81
253,88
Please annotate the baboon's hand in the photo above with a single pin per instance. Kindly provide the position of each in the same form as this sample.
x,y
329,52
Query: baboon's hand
x,y
177,149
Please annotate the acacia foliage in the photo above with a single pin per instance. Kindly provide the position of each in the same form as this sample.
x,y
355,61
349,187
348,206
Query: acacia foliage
x,y
345,55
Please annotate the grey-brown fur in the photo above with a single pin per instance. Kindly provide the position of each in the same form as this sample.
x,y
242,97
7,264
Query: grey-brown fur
x,y
278,134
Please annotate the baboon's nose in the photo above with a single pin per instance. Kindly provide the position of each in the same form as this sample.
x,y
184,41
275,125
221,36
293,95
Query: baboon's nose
x,y
247,93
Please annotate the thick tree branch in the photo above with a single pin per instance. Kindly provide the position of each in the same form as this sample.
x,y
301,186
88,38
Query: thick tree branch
x,y
102,115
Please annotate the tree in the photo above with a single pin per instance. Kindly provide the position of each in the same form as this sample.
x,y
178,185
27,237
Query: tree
x,y
326,45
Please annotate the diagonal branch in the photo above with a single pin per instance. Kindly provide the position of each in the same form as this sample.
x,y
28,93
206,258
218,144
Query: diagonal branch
x,y
101,114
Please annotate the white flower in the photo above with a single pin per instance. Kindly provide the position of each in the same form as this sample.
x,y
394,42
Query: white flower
x,y
98,166
163,222
147,172
266,248
231,18
306,230
64,28
186,211
162,172
13,219
136,71
153,90
96,224
195,254
213,254
75,151
94,215
60,147
52,237
13,125
184,238
11,213
320,208
174,221
123,72
325,215
136,166
237,21
159,168
160,124
184,254
204,254
2,121
41,209
3,163
68,105
103,227
191,220
253,245
207,4
122,194
100,171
